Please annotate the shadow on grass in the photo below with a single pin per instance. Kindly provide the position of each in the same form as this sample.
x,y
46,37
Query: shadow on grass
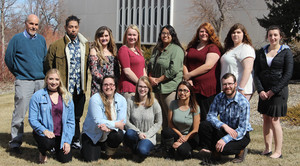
x,y
254,151
6,137
28,153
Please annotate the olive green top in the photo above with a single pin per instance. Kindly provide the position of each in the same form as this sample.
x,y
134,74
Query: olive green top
x,y
169,62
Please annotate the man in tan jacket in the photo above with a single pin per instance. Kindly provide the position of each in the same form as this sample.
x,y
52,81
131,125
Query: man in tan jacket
x,y
69,55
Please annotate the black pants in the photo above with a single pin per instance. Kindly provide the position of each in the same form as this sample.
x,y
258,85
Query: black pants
x,y
209,136
79,101
204,104
186,148
92,152
46,144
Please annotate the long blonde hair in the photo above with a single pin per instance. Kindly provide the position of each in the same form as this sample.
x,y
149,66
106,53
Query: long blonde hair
x,y
138,43
66,96
98,46
150,95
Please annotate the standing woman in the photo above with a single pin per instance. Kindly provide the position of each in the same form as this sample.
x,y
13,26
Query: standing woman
x,y
201,66
102,59
132,61
165,68
144,119
273,70
239,59
51,116
183,121
104,122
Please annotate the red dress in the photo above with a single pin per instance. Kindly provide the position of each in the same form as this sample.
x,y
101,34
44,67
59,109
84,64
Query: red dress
x,y
128,59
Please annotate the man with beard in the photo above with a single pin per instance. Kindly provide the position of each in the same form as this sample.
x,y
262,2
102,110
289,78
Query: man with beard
x,y
24,58
69,55
228,134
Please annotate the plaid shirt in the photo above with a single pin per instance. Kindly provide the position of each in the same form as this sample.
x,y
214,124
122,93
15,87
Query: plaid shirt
x,y
234,112
75,70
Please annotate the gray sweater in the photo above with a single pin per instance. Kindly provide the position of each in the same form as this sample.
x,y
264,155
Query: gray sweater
x,y
145,120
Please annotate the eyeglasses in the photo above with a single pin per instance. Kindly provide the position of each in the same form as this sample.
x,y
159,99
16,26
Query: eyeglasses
x,y
142,87
183,91
227,84
165,34
110,85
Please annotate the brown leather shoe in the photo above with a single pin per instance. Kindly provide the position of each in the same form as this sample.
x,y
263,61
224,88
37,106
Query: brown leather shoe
x,y
241,156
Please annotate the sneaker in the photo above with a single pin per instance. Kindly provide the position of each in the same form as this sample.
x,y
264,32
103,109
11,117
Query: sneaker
x,y
241,156
76,145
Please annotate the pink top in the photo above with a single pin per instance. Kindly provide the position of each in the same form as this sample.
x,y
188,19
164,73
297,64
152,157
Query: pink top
x,y
206,84
128,59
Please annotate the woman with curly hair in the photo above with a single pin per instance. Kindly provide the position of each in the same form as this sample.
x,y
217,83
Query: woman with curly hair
x,y
102,59
201,66
239,58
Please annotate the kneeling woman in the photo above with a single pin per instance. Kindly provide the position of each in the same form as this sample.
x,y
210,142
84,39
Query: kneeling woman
x,y
183,121
104,122
51,115
144,119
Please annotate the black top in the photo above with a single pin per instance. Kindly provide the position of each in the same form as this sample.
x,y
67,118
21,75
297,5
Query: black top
x,y
275,77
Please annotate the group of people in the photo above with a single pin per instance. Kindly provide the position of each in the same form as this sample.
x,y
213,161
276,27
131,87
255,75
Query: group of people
x,y
198,96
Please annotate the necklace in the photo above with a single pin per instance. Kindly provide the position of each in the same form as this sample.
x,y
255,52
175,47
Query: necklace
x,y
134,51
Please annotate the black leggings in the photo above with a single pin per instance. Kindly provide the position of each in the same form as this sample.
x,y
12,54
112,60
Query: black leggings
x,y
46,144
186,148
92,152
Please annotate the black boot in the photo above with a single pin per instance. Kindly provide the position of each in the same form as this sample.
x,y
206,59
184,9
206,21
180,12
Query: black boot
x,y
168,148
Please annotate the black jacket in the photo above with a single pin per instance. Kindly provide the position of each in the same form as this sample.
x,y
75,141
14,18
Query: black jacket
x,y
275,77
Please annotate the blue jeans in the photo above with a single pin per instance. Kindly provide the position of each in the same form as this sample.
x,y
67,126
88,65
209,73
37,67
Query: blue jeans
x,y
140,146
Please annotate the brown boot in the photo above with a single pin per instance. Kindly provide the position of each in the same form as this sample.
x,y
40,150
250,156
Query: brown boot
x,y
241,156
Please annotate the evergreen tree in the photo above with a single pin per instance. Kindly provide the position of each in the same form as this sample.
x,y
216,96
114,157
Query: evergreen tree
x,y
286,14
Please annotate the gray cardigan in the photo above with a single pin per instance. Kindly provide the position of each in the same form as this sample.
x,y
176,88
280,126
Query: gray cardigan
x,y
145,120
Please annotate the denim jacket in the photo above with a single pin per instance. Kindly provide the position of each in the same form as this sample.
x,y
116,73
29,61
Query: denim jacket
x,y
40,117
96,116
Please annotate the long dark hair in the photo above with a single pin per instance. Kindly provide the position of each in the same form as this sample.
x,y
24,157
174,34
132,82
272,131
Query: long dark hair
x,y
160,46
192,102
228,43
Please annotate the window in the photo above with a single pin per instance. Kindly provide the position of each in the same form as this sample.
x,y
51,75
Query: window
x,y
149,15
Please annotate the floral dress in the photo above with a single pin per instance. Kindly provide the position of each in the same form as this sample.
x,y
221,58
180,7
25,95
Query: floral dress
x,y
111,67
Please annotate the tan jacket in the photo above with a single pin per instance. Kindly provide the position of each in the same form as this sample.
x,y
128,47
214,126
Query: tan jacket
x,y
58,56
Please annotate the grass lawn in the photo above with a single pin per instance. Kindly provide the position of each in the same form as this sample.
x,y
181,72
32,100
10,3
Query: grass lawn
x,y
291,147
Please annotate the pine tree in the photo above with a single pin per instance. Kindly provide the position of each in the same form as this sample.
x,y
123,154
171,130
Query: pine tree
x,y
286,14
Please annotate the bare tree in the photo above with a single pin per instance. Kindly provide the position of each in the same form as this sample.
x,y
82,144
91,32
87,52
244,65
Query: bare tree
x,y
216,12
50,13
6,12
